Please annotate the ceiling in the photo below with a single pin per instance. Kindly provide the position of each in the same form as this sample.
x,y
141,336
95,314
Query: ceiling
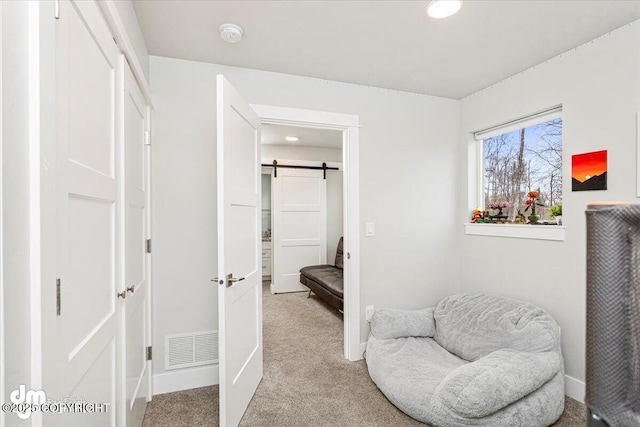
x,y
317,138
387,44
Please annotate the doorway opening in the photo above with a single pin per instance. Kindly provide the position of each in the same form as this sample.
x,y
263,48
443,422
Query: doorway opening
x,y
302,207
346,128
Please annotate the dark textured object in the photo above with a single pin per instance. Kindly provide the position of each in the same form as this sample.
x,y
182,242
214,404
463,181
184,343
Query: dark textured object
x,y
326,281
340,254
613,313
307,381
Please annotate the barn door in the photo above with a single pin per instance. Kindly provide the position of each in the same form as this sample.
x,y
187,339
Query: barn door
x,y
299,200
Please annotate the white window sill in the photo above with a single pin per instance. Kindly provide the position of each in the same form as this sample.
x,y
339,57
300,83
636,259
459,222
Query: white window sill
x,y
518,231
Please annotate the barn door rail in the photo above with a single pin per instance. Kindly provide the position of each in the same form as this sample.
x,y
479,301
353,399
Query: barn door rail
x,y
323,168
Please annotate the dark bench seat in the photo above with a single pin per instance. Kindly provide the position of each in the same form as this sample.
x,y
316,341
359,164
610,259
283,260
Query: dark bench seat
x,y
326,281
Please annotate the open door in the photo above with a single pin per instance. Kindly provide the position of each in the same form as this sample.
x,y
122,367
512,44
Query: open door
x,y
239,278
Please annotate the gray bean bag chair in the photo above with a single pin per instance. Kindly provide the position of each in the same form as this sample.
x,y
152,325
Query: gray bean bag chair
x,y
474,360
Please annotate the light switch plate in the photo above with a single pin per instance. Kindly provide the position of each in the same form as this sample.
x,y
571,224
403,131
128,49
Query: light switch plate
x,y
369,313
369,229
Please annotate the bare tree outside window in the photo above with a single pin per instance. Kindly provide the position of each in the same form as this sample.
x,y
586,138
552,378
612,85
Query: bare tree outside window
x,y
524,160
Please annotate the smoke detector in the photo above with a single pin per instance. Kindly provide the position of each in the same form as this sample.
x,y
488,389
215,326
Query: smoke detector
x,y
231,33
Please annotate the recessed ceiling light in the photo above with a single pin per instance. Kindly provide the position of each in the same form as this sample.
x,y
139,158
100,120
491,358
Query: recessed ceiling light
x,y
443,8
292,138
231,33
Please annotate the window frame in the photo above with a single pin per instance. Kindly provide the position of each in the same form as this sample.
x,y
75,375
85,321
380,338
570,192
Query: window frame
x,y
476,181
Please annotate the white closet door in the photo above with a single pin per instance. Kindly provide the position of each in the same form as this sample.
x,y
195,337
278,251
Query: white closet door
x,y
135,331
87,219
299,199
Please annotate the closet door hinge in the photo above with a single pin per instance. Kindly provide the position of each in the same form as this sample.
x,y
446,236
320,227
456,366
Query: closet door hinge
x,y
147,137
148,247
149,353
57,297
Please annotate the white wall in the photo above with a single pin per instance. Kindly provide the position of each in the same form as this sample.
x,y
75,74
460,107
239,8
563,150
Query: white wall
x,y
334,184
599,87
130,21
15,198
408,167
184,200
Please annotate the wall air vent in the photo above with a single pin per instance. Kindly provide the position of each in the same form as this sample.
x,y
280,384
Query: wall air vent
x,y
188,350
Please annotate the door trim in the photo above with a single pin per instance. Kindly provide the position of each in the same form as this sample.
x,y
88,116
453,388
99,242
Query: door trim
x,y
43,82
349,124
2,346
149,255
118,28
37,101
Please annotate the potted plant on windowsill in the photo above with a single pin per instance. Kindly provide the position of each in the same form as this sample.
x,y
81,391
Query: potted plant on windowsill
x,y
556,213
531,201
499,206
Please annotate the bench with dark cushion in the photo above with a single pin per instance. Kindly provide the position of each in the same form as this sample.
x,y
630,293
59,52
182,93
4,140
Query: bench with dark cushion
x,y
326,280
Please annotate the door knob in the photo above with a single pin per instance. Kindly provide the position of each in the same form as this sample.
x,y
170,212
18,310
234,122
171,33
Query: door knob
x,y
131,289
231,280
215,279
122,294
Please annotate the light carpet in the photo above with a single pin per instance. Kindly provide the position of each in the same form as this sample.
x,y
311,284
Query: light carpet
x,y
307,381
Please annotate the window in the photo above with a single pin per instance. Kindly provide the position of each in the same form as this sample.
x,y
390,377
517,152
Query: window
x,y
521,157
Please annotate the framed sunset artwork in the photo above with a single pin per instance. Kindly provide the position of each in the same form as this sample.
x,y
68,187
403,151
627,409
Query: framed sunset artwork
x,y
589,171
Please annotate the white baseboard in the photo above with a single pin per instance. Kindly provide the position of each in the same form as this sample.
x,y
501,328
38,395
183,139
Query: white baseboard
x,y
185,379
574,388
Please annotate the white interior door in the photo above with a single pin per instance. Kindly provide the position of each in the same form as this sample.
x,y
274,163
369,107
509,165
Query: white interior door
x,y
239,253
134,332
87,213
299,200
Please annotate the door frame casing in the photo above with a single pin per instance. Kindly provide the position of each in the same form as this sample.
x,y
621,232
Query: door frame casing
x,y
2,339
149,256
349,125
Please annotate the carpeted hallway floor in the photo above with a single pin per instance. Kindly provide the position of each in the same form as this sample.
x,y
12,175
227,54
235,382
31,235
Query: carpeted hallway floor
x,y
307,381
